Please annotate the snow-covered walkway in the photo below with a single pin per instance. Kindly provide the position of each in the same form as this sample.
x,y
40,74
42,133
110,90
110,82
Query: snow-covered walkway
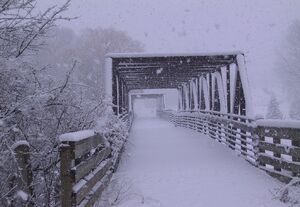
x,y
174,167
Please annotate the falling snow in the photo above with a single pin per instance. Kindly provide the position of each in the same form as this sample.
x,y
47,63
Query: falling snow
x,y
159,71
58,83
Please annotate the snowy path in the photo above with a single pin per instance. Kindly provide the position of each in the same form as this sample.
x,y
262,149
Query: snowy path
x,y
174,167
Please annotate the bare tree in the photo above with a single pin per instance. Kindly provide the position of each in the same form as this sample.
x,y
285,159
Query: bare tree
x,y
21,25
23,95
89,47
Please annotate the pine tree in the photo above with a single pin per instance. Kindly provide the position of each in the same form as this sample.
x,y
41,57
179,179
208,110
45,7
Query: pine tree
x,y
273,109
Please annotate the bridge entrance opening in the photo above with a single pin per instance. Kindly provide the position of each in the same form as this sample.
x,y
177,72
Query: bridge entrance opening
x,y
145,107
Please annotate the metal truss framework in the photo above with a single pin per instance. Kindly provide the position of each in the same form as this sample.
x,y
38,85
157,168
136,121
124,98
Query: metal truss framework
x,y
211,82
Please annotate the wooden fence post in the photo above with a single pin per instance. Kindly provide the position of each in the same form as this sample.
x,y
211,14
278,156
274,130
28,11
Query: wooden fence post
x,y
65,151
22,155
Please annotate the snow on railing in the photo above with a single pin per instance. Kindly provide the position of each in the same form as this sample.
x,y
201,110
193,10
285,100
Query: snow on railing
x,y
272,145
293,124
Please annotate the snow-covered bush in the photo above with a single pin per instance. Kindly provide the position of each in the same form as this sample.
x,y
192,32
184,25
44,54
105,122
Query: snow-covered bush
x,y
39,100
290,193
22,27
115,131
22,24
38,108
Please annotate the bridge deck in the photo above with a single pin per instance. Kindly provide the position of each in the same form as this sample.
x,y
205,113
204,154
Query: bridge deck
x,y
168,166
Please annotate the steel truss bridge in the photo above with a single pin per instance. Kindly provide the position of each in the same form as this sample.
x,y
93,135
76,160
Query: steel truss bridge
x,y
214,99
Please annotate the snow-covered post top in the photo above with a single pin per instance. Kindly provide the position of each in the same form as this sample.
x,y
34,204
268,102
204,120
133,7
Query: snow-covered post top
x,y
22,155
76,136
83,142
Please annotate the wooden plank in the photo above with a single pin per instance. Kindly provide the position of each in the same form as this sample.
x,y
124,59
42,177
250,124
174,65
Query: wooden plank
x,y
84,146
291,150
268,160
280,164
92,179
85,167
231,133
96,191
281,133
236,124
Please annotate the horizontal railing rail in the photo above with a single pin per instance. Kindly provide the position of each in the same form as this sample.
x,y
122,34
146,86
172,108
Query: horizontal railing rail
x,y
271,145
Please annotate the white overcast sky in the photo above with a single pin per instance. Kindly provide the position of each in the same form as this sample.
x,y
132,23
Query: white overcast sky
x,y
190,25
256,27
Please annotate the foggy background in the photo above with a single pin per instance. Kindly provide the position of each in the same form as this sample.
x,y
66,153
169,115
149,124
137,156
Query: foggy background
x,y
257,28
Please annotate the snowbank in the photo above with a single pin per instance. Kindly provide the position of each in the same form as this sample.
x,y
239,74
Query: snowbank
x,y
290,193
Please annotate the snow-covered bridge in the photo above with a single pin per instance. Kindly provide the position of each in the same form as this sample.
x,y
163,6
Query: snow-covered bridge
x,y
214,100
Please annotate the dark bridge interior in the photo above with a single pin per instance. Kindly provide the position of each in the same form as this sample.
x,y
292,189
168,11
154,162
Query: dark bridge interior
x,y
144,71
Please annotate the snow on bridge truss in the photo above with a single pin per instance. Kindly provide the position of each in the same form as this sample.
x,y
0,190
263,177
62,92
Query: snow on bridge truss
x,y
211,82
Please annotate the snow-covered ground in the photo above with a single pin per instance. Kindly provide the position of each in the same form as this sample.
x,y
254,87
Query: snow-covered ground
x,y
174,167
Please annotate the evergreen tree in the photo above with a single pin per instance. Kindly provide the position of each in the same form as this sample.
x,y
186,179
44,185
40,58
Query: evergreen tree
x,y
273,109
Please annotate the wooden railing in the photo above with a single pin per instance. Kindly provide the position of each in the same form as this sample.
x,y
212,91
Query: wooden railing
x,y
279,148
274,148
127,118
87,164
85,168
